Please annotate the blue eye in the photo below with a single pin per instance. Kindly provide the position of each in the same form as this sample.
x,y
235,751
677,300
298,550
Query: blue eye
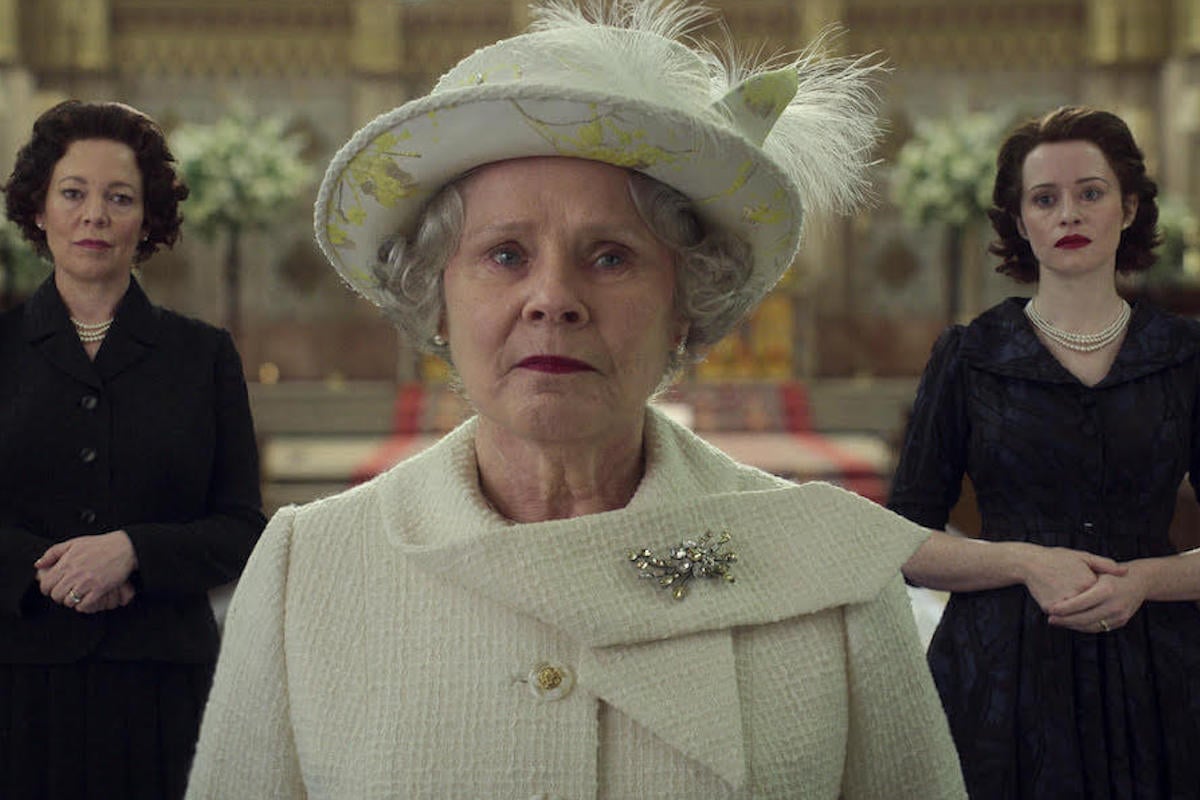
x,y
610,261
506,256
1043,200
1092,193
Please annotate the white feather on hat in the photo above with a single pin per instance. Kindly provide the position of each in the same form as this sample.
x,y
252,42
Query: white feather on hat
x,y
626,83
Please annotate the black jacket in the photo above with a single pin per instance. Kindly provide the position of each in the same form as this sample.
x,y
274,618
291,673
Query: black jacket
x,y
154,437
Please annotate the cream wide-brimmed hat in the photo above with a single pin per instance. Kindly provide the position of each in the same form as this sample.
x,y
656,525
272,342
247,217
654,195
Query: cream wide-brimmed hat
x,y
622,83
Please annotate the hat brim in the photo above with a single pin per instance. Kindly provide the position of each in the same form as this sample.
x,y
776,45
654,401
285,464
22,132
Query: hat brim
x,y
378,182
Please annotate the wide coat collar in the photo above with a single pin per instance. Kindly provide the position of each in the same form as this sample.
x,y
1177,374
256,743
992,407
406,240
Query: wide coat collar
x,y
801,549
1002,340
134,332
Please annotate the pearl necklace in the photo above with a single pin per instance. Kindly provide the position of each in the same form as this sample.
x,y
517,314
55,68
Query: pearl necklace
x,y
93,332
1081,342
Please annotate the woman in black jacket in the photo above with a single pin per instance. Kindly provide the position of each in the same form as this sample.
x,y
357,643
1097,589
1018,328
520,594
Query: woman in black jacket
x,y
128,475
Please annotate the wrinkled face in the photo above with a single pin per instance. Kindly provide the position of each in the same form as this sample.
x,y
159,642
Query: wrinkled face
x,y
93,212
1072,211
559,300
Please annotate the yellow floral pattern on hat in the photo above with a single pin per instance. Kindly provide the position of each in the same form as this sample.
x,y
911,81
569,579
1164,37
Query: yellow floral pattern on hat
x,y
755,105
768,94
375,172
602,138
745,170
762,214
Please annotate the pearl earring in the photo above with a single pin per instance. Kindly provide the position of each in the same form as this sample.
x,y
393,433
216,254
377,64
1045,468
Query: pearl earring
x,y
681,348
41,226
438,340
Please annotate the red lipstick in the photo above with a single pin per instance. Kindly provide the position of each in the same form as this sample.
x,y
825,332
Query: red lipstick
x,y
93,244
1073,242
553,364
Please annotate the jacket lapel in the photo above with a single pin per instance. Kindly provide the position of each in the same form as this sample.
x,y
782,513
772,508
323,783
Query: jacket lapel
x,y
667,664
800,550
132,336
47,328
684,690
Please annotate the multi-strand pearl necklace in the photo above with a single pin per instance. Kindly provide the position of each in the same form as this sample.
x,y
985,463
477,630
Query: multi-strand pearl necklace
x,y
93,332
1081,342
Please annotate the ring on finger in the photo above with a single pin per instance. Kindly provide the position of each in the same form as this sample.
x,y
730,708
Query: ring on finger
x,y
74,598
1104,626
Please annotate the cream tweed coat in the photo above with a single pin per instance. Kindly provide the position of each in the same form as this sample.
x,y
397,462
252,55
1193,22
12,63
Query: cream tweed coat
x,y
386,643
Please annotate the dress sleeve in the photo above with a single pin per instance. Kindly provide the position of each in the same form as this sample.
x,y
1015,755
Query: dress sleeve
x,y
205,553
18,550
246,746
928,476
898,743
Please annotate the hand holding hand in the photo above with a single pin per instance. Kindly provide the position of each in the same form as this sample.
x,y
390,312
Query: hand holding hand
x,y
118,598
1055,574
81,573
1109,604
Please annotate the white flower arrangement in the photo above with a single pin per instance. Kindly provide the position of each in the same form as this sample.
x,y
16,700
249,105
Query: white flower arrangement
x,y
244,173
944,174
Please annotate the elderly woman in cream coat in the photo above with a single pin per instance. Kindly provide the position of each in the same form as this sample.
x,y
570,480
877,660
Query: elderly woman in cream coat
x,y
570,595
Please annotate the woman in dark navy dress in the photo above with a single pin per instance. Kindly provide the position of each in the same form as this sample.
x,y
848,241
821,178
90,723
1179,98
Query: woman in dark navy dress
x,y
1068,657
128,475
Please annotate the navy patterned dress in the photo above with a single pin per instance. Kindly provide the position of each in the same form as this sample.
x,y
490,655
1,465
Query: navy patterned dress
x,y
1039,712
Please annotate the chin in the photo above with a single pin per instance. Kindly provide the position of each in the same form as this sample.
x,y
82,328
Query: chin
x,y
567,418
578,421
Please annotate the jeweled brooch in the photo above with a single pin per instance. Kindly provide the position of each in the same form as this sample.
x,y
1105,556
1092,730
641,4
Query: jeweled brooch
x,y
686,560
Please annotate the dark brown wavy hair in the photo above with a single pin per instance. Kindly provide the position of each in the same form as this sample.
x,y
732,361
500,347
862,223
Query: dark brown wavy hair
x,y
73,120
1073,123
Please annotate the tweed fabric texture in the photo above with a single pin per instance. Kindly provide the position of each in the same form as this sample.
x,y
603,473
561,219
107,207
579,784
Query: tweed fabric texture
x,y
382,642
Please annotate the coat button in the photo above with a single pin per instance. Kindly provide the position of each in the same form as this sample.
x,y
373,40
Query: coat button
x,y
87,516
89,402
87,455
550,682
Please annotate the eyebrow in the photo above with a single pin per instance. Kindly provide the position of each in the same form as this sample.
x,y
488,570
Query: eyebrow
x,y
112,185
495,227
1081,180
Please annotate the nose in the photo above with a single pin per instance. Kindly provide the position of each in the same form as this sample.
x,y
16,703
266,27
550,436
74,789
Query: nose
x,y
1069,211
554,295
95,210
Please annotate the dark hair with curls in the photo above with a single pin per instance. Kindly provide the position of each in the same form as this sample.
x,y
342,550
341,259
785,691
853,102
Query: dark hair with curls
x,y
72,121
1073,123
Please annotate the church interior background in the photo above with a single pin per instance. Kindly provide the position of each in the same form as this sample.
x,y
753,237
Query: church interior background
x,y
829,361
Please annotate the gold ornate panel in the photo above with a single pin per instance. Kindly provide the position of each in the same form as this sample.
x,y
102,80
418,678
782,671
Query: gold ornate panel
x,y
438,34
298,37
229,37
971,34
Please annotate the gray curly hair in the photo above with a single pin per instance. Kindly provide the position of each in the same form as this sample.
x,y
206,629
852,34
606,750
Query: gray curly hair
x,y
712,288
